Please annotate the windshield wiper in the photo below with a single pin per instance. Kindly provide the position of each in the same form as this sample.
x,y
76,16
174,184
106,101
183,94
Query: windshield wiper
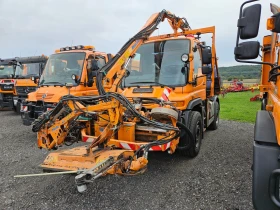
x,y
147,82
28,75
19,77
54,83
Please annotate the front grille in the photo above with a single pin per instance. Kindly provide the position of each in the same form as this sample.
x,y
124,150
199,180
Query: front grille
x,y
44,96
25,90
7,97
7,87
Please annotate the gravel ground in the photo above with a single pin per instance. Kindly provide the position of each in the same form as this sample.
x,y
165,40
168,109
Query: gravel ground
x,y
218,178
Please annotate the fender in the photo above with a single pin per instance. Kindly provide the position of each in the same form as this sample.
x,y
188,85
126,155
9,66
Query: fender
x,y
215,98
191,105
194,103
265,160
265,128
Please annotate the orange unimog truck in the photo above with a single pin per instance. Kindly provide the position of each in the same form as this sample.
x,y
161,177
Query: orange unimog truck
x,y
7,70
266,148
70,71
170,93
26,69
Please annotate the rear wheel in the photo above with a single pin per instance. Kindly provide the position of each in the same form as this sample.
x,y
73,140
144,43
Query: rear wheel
x,y
195,126
214,125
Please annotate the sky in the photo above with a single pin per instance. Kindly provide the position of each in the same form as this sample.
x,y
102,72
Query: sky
x,y
35,27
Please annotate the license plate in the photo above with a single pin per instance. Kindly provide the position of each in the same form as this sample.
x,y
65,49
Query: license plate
x,y
6,87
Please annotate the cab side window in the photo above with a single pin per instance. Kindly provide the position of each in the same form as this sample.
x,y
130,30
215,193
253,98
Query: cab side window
x,y
196,61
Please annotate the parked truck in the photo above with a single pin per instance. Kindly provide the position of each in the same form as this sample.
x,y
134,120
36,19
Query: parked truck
x,y
27,69
266,144
7,70
70,71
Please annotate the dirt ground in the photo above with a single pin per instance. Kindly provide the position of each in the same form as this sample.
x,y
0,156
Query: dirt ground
x,y
218,178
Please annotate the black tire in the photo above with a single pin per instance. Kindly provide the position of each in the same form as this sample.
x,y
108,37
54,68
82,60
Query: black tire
x,y
214,125
195,126
18,106
264,103
15,109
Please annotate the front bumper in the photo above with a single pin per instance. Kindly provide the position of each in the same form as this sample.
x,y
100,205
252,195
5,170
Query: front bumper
x,y
6,101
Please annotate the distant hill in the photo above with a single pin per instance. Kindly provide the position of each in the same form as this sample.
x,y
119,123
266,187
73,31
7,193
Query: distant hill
x,y
240,72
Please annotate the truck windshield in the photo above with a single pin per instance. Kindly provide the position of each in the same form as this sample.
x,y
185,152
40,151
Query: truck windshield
x,y
27,70
60,68
158,63
6,72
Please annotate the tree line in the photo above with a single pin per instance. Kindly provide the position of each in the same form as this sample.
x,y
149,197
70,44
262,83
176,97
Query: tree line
x,y
240,72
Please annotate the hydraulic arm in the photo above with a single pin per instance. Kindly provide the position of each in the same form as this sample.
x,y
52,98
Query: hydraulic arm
x,y
112,122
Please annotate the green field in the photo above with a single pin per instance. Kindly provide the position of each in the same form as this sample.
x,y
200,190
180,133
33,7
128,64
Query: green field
x,y
237,106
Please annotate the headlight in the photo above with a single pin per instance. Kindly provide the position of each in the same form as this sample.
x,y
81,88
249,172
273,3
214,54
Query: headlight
x,y
185,57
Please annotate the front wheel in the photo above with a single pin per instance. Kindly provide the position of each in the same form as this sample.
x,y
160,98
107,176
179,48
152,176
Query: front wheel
x,y
17,108
195,126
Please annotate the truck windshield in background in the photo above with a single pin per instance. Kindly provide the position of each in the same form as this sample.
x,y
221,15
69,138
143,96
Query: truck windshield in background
x,y
158,63
27,70
6,72
60,68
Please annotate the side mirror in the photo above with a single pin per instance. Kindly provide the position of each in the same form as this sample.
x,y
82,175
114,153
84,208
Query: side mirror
x,y
249,21
206,55
185,71
2,67
110,56
206,70
94,65
247,50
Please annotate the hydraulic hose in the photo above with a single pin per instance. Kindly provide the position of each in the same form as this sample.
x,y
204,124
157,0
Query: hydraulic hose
x,y
189,133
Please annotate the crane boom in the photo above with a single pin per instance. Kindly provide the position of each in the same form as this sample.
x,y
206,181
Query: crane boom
x,y
117,64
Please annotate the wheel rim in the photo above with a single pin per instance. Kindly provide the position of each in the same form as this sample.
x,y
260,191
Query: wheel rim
x,y
197,135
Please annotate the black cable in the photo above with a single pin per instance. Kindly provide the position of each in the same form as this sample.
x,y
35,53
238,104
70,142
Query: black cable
x,y
189,133
143,34
273,75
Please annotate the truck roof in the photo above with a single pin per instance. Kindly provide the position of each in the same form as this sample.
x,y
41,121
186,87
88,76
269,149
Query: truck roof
x,y
32,59
7,61
85,51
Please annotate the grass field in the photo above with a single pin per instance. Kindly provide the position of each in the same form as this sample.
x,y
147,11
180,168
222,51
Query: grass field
x,y
237,106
